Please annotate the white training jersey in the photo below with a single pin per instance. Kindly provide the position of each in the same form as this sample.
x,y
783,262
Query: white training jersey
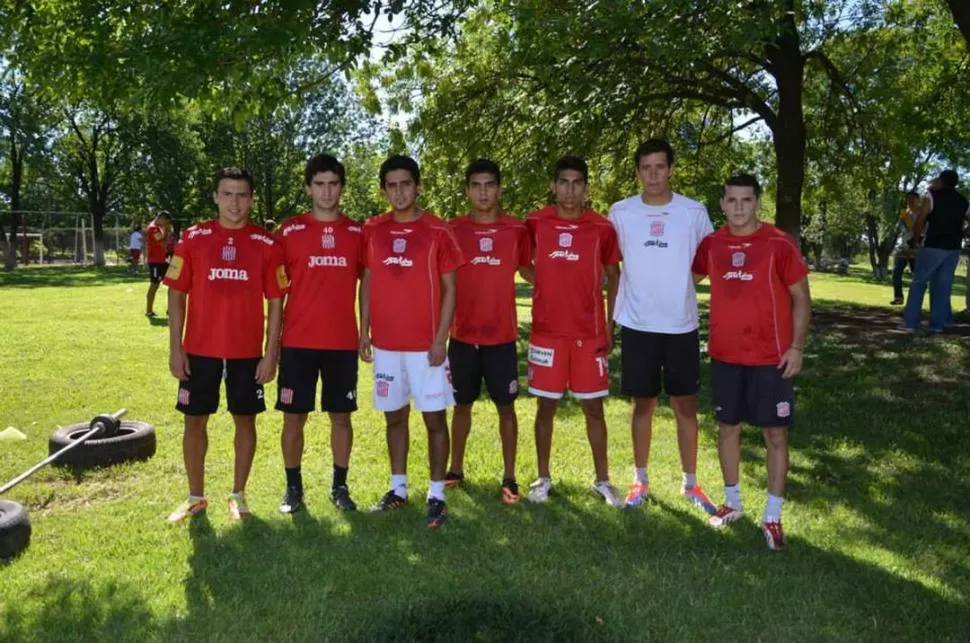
x,y
134,241
658,243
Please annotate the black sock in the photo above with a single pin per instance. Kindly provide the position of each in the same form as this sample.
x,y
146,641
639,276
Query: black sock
x,y
339,476
294,477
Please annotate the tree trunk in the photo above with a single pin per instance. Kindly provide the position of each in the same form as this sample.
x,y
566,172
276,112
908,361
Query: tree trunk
x,y
961,14
872,234
885,252
16,183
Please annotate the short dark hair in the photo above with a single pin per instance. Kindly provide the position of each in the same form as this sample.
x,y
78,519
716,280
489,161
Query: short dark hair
x,y
653,146
164,215
236,174
912,193
324,163
949,178
483,166
744,181
400,162
571,163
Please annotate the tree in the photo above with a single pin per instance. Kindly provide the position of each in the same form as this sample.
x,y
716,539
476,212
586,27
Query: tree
x,y
961,14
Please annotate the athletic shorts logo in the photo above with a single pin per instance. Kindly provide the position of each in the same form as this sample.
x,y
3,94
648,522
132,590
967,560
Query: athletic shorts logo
x,y
656,228
737,259
231,274
184,396
448,372
174,268
351,395
286,395
400,245
541,356
783,409
383,388
485,244
328,242
565,240
513,387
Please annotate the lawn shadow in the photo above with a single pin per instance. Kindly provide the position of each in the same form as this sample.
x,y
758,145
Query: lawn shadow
x,y
160,322
59,276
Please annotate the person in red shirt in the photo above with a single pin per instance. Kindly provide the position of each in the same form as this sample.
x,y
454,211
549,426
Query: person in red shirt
x,y
157,234
759,313
485,329
574,249
407,300
223,269
322,254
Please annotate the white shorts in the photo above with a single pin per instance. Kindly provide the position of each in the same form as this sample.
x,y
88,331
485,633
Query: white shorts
x,y
399,375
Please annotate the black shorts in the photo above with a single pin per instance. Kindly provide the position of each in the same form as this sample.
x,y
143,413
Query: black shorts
x,y
199,395
758,395
651,359
296,388
156,272
497,364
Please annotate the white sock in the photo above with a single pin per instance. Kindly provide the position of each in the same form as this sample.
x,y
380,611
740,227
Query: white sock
x,y
640,475
732,495
399,484
436,490
773,509
690,480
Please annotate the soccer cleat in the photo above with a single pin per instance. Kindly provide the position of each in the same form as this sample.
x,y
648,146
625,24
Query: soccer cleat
x,y
725,515
453,479
292,500
697,497
340,497
539,490
191,506
390,501
510,491
608,492
437,513
238,509
897,301
150,314
636,495
774,535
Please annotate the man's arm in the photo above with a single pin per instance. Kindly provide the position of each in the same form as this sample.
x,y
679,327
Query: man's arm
x,y
791,361
363,298
266,369
528,273
612,273
178,361
924,210
439,349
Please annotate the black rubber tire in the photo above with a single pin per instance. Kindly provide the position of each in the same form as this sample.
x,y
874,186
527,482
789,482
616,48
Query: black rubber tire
x,y
14,529
134,441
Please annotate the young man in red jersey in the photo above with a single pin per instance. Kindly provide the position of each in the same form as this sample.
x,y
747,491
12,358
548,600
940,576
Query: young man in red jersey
x,y
574,249
224,268
485,329
322,253
157,234
407,301
760,310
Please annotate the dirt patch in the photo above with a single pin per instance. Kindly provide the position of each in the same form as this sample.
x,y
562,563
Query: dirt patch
x,y
858,323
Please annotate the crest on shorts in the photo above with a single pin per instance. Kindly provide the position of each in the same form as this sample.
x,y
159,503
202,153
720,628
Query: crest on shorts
x,y
184,396
382,388
656,228
286,395
783,409
737,259
400,245
513,387
565,240
485,244
229,252
328,242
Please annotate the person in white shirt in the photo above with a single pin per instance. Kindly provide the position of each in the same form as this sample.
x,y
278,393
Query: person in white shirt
x,y
659,231
134,246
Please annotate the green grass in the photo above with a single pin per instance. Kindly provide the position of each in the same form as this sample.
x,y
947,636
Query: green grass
x,y
876,525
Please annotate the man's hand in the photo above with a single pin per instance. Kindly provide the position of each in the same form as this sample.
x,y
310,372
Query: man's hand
x,y
178,364
791,363
365,350
437,354
266,369
610,330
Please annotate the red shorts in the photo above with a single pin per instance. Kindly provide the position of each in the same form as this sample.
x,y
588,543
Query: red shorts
x,y
135,256
580,366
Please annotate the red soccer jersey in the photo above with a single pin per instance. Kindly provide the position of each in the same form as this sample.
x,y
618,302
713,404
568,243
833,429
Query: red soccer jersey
x,y
751,306
226,274
323,262
567,300
157,243
406,261
485,310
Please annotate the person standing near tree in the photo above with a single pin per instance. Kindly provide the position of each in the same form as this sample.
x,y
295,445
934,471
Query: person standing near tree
x,y
905,254
135,240
158,233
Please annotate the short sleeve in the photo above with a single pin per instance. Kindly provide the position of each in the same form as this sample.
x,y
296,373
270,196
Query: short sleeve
x,y
611,245
275,281
791,267
365,236
450,257
525,246
179,273
704,225
702,257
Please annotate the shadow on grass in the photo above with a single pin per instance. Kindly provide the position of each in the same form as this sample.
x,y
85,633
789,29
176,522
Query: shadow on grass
x,y
69,275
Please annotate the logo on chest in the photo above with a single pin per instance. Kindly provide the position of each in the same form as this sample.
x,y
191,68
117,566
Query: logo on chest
x,y
399,245
229,251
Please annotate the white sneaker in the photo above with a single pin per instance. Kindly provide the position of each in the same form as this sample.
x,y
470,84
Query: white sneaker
x,y
539,490
725,515
608,492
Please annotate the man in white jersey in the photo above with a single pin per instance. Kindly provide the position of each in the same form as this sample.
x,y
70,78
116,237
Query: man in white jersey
x,y
659,232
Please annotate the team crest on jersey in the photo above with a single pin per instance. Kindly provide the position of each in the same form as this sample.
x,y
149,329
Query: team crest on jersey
x,y
328,242
565,240
737,259
400,245
229,252
485,244
656,228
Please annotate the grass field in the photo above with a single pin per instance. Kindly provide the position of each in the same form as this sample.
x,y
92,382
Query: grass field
x,y
876,525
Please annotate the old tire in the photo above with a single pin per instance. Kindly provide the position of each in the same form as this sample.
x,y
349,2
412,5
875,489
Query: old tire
x,y
134,441
14,529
